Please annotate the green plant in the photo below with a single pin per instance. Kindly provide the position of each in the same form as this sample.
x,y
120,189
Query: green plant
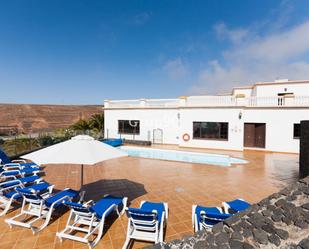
x,y
46,140
81,125
97,122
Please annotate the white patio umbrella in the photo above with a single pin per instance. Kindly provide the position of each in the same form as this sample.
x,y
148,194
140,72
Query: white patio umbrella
x,y
81,149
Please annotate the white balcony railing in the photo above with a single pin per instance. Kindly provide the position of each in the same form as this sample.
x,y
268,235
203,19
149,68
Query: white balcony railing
x,y
211,101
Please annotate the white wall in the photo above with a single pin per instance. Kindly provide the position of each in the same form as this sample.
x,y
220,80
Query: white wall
x,y
272,90
279,126
150,119
230,115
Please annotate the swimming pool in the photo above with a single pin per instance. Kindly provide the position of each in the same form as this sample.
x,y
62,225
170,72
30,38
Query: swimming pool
x,y
182,156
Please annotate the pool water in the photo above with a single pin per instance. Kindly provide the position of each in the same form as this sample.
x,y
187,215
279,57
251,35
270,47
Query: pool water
x,y
182,156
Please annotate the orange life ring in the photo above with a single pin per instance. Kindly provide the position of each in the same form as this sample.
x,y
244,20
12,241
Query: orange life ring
x,y
186,137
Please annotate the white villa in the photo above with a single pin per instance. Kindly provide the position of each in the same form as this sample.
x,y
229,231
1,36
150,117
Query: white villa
x,y
264,116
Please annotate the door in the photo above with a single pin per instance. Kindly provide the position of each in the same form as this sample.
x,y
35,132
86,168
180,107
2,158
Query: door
x,y
260,135
254,135
157,136
249,136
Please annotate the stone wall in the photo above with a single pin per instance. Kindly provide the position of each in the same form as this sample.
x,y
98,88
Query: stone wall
x,y
279,221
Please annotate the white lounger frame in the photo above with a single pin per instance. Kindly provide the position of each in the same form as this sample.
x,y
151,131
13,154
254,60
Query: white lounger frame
x,y
90,221
196,224
16,161
38,210
16,164
6,203
153,234
16,176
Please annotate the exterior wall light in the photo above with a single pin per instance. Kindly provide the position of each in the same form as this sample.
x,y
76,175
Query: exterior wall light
x,y
240,115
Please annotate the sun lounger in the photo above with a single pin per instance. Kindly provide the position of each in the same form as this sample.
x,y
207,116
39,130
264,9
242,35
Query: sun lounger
x,y
12,166
8,194
16,173
235,206
146,223
20,182
5,161
89,218
36,207
206,217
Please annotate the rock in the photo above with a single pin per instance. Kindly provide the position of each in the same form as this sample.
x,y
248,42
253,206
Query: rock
x,y
304,244
210,239
236,244
221,238
305,180
274,239
200,244
217,228
260,236
306,216
291,198
305,206
266,213
232,220
247,246
305,190
257,220
282,233
247,233
278,212
157,246
280,202
236,236
301,223
287,220
264,202
297,192
269,228
276,218
271,207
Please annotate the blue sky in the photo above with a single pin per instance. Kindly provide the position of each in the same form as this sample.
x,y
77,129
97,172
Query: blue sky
x,y
82,52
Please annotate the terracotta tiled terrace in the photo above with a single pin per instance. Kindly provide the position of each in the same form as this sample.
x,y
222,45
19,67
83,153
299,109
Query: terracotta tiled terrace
x,y
178,184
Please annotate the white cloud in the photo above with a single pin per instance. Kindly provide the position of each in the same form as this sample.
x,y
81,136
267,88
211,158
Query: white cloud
x,y
142,18
175,69
251,58
233,35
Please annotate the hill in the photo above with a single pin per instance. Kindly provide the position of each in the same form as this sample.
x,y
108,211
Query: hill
x,y
36,118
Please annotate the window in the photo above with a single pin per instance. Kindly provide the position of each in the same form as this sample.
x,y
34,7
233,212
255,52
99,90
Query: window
x,y
210,130
296,131
128,126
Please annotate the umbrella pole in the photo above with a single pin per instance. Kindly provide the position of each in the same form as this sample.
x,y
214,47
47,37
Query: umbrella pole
x,y
82,176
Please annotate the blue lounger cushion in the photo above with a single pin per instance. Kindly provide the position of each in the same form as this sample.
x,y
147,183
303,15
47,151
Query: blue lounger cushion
x,y
158,206
70,193
34,188
102,205
24,180
77,206
28,164
238,205
146,211
4,158
22,171
211,215
142,215
12,193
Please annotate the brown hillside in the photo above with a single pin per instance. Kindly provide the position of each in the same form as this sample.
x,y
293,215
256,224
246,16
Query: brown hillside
x,y
35,118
